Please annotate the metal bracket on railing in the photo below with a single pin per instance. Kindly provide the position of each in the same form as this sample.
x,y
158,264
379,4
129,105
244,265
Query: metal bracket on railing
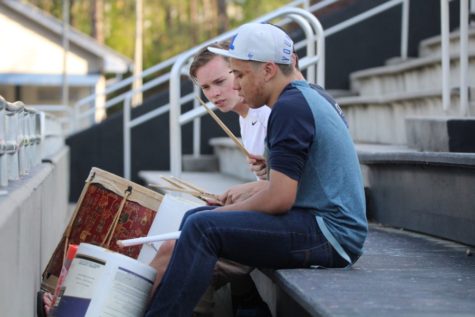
x,y
12,138
300,16
20,139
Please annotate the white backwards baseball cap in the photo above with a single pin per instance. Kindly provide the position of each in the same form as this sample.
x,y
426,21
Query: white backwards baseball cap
x,y
259,42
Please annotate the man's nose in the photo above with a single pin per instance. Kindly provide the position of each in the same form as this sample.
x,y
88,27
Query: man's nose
x,y
236,85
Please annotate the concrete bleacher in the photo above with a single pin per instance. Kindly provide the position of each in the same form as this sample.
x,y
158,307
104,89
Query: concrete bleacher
x,y
385,96
429,192
400,274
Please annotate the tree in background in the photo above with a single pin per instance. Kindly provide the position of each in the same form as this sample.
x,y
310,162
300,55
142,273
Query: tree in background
x,y
170,26
97,17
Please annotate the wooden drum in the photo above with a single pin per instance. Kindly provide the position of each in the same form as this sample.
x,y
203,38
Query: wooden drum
x,y
110,208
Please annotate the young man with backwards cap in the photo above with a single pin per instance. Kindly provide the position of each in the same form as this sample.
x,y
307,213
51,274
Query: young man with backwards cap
x,y
212,74
311,212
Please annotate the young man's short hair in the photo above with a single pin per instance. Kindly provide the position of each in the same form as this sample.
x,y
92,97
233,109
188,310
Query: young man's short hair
x,y
204,56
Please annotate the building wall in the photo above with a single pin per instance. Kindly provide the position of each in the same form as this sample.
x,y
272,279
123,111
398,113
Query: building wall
x,y
28,48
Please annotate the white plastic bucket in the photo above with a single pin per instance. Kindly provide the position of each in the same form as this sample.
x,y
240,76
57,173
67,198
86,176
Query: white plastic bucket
x,y
104,283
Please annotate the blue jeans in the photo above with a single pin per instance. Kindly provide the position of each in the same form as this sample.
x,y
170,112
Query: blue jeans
x,y
290,240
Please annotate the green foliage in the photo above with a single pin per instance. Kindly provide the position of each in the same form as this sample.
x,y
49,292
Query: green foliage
x,y
119,28
170,26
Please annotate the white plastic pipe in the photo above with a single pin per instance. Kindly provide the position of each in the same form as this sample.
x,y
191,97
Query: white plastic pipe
x,y
160,237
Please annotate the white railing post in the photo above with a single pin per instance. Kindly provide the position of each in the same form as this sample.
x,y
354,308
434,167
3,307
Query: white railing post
x,y
12,143
175,112
307,29
3,149
75,119
444,27
404,29
38,129
23,141
127,140
320,38
196,125
464,57
30,139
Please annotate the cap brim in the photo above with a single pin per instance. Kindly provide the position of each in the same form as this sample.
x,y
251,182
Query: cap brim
x,y
222,52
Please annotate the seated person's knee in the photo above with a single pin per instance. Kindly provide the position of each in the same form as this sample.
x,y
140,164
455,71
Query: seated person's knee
x,y
166,247
163,255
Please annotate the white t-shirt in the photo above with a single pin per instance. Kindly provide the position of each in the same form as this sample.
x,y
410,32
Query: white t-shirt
x,y
254,129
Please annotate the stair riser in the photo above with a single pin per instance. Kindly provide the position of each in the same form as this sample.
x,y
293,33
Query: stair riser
x,y
430,47
412,80
385,122
441,134
233,163
432,199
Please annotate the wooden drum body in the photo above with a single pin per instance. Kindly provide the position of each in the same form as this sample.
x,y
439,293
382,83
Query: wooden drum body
x,y
110,208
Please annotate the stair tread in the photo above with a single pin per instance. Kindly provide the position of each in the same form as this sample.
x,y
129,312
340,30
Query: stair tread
x,y
400,273
409,64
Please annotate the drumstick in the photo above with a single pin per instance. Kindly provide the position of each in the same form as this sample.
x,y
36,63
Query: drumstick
x,y
160,237
198,190
174,189
181,184
225,128
204,196
188,185
174,183
187,191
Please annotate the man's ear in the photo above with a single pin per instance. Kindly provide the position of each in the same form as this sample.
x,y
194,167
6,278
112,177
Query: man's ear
x,y
270,71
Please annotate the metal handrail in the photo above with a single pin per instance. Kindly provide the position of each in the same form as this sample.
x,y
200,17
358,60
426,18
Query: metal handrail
x,y
152,70
164,78
194,114
313,9
175,89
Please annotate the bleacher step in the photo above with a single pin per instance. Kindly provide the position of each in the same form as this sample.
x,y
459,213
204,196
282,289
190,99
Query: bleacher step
x,y
232,162
400,274
200,163
429,192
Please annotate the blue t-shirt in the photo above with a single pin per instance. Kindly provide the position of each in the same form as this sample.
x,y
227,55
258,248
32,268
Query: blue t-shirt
x,y
309,142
